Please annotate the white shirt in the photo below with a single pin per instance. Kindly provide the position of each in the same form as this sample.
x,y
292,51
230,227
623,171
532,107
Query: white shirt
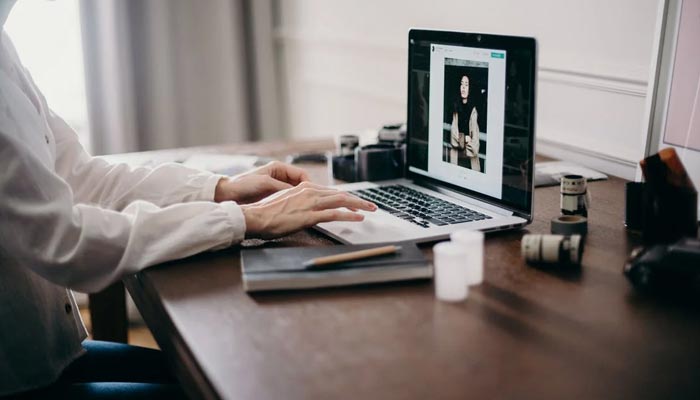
x,y
69,220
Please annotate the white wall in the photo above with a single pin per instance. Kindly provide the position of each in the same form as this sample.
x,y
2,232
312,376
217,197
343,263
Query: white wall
x,y
343,66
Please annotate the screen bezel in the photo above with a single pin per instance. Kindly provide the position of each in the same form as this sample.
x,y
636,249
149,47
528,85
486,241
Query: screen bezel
x,y
478,40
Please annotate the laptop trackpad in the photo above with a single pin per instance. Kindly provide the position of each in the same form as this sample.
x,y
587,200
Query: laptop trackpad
x,y
375,228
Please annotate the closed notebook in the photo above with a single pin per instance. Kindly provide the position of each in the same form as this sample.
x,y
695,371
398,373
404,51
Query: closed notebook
x,y
283,268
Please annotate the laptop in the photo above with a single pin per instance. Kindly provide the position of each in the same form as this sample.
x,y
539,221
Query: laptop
x,y
469,142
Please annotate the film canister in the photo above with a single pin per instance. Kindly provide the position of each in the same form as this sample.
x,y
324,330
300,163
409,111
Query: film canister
x,y
574,197
570,225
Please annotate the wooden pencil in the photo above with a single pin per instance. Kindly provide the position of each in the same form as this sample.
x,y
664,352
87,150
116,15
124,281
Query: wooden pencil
x,y
352,256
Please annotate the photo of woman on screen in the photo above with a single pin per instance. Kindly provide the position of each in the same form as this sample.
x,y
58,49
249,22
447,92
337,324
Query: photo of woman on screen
x,y
464,135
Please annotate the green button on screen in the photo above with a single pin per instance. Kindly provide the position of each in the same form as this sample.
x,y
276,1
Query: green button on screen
x,y
497,55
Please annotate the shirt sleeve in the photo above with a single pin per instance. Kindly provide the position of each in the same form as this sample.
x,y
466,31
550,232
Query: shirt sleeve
x,y
114,186
85,247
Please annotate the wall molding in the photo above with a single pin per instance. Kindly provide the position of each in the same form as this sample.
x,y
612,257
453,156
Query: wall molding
x,y
612,83
593,81
605,163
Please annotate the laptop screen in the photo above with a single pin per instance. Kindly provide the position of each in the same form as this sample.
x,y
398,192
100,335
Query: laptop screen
x,y
471,114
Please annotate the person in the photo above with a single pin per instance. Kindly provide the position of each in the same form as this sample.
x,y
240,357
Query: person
x,y
464,130
72,221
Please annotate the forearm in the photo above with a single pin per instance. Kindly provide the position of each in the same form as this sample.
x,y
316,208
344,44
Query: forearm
x,y
115,186
87,247
474,132
96,181
454,132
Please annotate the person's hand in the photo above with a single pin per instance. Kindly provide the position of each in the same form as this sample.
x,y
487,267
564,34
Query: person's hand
x,y
259,183
301,207
467,143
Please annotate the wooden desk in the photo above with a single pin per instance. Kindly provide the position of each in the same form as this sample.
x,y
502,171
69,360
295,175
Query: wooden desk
x,y
524,333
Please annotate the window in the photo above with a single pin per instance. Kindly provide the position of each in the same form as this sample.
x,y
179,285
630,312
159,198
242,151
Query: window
x,y
47,38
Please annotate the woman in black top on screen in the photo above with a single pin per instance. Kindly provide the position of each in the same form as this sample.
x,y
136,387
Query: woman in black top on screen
x,y
464,135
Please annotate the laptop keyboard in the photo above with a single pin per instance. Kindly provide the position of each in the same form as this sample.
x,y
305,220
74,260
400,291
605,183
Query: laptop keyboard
x,y
417,207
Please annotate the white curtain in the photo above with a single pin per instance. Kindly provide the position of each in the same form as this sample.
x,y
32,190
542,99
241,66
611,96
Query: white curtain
x,y
167,73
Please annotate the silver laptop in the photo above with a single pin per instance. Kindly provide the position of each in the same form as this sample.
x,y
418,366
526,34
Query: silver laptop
x,y
470,142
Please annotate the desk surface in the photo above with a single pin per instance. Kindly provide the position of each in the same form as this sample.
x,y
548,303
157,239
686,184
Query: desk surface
x,y
524,333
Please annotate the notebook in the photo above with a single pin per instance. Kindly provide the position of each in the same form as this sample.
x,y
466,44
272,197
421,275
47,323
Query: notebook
x,y
282,268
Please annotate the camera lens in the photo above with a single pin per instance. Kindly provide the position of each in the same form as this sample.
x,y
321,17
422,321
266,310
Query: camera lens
x,y
478,38
552,249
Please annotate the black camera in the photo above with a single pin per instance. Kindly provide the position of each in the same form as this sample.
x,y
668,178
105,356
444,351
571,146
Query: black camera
x,y
671,266
376,162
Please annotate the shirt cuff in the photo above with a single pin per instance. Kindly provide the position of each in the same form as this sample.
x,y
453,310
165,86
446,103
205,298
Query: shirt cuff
x,y
238,225
209,188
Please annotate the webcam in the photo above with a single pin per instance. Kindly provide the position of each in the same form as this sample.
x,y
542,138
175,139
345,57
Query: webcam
x,y
478,38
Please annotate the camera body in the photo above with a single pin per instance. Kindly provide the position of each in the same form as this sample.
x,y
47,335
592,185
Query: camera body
x,y
665,266
376,162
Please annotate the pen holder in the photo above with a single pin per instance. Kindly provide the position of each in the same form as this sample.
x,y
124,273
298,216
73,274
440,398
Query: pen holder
x,y
668,214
